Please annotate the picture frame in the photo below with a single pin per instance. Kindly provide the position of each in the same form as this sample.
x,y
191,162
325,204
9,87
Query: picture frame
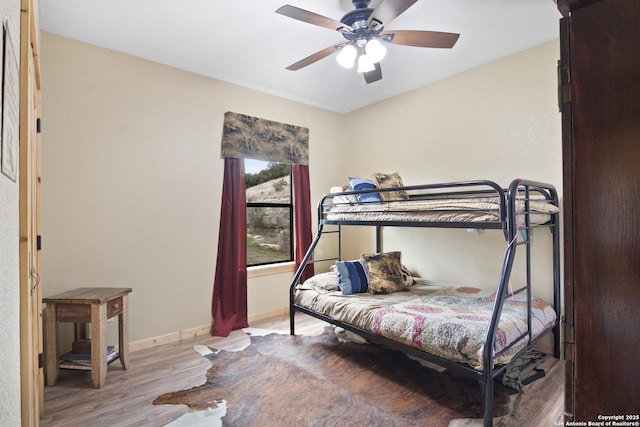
x,y
10,133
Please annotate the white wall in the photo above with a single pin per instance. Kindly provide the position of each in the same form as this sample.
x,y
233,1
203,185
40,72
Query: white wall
x,y
499,121
133,178
132,174
9,262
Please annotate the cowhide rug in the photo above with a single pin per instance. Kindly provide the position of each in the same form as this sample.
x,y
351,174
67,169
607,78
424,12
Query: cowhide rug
x,y
284,380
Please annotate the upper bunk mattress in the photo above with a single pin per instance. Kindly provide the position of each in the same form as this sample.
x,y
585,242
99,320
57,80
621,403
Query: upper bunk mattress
x,y
438,210
449,322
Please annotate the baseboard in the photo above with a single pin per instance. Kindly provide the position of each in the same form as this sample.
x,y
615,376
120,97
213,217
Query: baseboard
x,y
197,331
168,338
268,314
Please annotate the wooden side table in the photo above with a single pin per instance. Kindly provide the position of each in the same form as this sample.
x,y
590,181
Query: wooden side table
x,y
82,306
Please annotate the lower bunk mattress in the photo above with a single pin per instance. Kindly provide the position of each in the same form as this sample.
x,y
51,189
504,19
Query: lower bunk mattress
x,y
447,321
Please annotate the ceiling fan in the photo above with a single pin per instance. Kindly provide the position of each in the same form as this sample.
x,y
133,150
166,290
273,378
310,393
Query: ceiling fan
x,y
363,29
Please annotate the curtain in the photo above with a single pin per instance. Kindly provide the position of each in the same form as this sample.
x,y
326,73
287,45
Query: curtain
x,y
245,136
229,305
261,139
302,217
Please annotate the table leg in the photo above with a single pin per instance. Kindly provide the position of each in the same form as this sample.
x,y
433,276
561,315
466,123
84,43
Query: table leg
x,y
98,344
123,333
52,368
79,331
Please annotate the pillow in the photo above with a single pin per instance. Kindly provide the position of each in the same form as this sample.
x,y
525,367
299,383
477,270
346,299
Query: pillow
x,y
384,271
393,180
343,199
407,277
359,184
352,277
323,282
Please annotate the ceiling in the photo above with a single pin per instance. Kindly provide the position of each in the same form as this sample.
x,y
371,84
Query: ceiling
x,y
245,42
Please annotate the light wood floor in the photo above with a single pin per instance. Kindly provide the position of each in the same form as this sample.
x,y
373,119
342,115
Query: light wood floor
x,y
126,398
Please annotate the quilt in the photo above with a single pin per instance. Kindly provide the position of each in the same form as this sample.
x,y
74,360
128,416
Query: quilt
x,y
453,323
446,321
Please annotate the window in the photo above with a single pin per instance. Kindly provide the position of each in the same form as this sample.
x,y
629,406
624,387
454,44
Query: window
x,y
269,212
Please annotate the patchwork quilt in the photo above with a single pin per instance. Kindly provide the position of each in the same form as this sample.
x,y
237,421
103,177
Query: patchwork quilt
x,y
453,323
450,322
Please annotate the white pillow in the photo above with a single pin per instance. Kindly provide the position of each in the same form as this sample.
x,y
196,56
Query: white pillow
x,y
349,199
323,282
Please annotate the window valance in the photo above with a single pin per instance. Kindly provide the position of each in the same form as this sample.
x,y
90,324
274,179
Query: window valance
x,y
254,138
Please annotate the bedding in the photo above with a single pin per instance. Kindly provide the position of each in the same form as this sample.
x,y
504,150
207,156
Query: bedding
x,y
352,277
384,272
437,210
446,321
385,180
360,184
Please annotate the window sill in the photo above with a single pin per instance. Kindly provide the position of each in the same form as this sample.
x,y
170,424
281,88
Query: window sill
x,y
266,270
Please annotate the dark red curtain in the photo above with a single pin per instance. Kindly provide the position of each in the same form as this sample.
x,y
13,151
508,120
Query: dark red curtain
x,y
302,216
229,305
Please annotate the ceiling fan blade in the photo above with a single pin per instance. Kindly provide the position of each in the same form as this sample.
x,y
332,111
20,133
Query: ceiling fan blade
x,y
373,75
311,17
315,57
419,38
387,11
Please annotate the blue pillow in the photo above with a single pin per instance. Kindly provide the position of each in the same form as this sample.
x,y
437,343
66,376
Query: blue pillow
x,y
352,278
364,184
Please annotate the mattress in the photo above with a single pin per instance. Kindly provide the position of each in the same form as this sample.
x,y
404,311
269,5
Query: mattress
x,y
447,321
438,210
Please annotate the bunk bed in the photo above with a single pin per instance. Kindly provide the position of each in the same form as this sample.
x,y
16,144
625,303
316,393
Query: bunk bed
x,y
390,319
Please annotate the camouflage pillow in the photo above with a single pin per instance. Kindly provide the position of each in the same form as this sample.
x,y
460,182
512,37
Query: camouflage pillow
x,y
407,277
385,272
392,180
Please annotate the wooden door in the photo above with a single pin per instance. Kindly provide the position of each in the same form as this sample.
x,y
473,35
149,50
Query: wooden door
x,y
600,46
31,345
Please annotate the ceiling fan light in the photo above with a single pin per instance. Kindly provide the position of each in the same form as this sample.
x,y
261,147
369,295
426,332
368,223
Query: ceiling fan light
x,y
375,50
347,56
365,64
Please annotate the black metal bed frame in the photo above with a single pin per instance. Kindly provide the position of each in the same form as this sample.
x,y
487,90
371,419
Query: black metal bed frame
x,y
519,191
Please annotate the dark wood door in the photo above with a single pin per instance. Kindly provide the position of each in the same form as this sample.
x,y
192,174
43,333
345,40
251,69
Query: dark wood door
x,y
600,44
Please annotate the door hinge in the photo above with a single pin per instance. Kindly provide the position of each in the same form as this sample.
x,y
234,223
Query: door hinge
x,y
38,125
569,340
39,242
564,85
40,360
